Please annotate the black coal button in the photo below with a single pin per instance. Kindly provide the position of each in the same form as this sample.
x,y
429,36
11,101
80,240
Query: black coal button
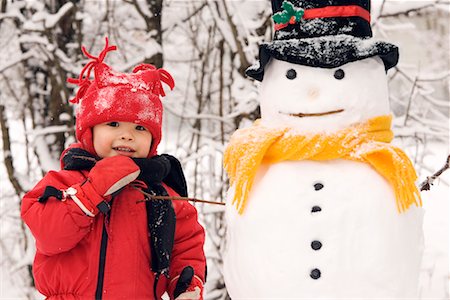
x,y
339,74
316,209
318,186
291,74
315,274
316,245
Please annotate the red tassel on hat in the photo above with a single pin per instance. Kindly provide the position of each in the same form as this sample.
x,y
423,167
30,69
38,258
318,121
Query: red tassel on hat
x,y
84,83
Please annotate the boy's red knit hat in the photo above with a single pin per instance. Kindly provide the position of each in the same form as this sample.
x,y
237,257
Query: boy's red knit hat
x,y
122,97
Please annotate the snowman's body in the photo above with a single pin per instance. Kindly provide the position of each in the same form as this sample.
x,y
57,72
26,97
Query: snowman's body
x,y
366,249
322,229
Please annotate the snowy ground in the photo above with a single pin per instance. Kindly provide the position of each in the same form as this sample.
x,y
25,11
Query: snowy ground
x,y
434,280
435,267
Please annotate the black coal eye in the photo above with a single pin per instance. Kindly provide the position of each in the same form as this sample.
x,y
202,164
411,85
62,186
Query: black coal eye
x,y
339,74
291,74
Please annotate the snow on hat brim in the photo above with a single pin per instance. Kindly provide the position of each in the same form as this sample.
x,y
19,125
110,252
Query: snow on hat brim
x,y
323,52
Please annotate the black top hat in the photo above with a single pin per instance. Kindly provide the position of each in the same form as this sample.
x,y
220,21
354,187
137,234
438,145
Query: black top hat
x,y
322,33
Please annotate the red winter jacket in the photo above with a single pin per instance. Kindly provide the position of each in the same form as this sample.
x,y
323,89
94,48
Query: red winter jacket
x,y
68,244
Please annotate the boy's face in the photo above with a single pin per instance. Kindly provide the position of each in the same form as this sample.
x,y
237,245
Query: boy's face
x,y
121,138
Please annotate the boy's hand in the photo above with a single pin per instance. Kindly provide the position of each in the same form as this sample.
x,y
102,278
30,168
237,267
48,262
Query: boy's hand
x,y
112,173
107,176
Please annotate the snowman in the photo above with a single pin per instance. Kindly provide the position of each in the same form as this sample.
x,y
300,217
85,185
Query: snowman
x,y
321,204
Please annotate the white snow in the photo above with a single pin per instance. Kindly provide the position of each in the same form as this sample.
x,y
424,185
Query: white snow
x,y
14,60
48,130
104,100
48,163
53,19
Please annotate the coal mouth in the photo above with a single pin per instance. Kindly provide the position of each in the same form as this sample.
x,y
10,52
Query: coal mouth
x,y
301,115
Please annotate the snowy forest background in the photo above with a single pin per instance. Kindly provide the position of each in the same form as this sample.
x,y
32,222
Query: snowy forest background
x,y
206,45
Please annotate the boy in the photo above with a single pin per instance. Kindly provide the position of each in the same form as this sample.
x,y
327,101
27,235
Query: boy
x,y
95,237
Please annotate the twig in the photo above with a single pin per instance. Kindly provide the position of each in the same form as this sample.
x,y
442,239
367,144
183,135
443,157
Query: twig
x,y
183,21
153,197
409,101
12,62
407,12
427,183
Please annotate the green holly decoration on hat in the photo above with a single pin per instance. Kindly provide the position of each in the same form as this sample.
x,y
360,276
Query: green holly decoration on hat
x,y
289,15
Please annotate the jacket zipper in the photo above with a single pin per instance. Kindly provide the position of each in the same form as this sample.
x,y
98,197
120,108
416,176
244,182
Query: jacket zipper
x,y
102,261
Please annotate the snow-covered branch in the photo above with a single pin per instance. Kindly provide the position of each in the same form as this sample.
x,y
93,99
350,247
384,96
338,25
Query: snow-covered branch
x,y
426,185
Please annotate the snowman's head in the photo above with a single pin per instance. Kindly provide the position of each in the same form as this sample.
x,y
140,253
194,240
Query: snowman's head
x,y
312,99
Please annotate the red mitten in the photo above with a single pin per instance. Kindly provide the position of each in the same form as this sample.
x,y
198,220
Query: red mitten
x,y
107,176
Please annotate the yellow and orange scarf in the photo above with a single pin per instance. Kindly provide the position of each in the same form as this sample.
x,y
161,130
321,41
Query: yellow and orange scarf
x,y
366,142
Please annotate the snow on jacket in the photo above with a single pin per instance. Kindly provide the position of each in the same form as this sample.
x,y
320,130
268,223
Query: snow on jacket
x,y
68,243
